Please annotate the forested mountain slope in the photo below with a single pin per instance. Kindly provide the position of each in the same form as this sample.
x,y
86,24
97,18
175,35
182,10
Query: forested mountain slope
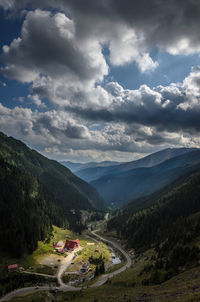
x,y
171,226
36,193
123,187
27,211
91,173
69,190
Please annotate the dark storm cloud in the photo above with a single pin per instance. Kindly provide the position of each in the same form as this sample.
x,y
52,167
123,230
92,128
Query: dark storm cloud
x,y
164,119
92,114
74,131
48,45
70,43
165,20
163,23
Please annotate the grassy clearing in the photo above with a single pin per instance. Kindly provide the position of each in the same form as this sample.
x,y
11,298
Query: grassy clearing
x,y
115,267
47,270
91,248
57,235
95,250
43,248
35,297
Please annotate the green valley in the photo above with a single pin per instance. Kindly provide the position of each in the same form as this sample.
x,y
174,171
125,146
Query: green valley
x,y
62,245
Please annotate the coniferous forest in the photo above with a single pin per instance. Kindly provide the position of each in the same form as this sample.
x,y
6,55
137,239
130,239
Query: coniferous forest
x,y
36,193
27,211
171,226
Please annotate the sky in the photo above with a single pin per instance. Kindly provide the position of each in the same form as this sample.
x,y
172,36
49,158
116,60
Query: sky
x,y
86,80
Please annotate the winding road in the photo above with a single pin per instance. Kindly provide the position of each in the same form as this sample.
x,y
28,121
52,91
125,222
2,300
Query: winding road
x,y
105,277
64,287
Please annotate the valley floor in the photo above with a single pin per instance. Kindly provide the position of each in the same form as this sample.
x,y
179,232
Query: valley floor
x,y
122,288
64,270
122,283
126,287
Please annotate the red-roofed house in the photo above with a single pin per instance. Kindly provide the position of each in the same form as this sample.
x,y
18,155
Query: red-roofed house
x,y
72,244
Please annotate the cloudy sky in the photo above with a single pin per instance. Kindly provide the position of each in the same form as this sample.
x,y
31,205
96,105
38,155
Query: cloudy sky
x,y
88,80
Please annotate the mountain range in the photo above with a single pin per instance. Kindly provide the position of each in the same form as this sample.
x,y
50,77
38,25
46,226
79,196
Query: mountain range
x,y
119,184
71,190
76,167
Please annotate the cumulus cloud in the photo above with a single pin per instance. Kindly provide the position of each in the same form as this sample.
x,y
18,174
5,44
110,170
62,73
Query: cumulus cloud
x,y
67,45
70,46
126,46
64,52
36,100
48,45
133,122
56,130
173,108
171,25
191,86
41,129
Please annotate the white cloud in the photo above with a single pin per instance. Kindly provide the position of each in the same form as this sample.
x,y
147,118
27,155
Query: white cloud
x,y
36,100
3,84
183,46
146,63
191,86
21,99
126,47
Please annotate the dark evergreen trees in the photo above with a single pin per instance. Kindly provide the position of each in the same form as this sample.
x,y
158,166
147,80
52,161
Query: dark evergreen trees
x,y
27,211
35,193
171,225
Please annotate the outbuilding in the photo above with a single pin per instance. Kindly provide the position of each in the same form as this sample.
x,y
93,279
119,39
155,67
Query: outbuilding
x,y
13,267
85,268
59,244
